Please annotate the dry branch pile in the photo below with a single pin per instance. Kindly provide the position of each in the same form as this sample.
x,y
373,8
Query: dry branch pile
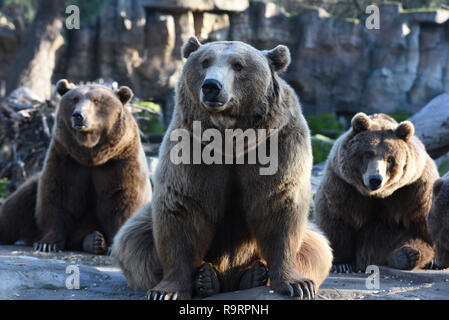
x,y
25,122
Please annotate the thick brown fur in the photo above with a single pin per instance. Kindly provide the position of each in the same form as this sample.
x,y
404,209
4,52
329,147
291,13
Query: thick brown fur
x,y
386,226
93,178
438,221
229,215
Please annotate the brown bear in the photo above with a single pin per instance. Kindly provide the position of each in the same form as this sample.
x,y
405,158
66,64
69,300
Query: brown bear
x,y
375,196
438,221
94,177
228,219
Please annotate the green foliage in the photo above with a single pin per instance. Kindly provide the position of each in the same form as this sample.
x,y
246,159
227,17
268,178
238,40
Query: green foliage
x,y
400,115
151,122
3,189
26,9
321,146
443,168
89,10
325,124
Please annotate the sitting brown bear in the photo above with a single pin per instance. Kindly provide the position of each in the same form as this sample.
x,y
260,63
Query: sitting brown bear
x,y
94,177
228,218
375,195
438,221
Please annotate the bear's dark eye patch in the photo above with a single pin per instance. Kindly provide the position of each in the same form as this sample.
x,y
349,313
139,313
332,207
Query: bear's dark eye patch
x,y
205,64
390,160
76,99
237,66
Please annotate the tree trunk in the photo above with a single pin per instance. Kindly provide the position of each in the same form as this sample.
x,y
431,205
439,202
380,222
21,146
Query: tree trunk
x,y
34,64
432,125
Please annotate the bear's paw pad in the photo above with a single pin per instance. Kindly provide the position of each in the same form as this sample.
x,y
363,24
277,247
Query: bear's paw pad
x,y
405,258
256,276
206,281
94,243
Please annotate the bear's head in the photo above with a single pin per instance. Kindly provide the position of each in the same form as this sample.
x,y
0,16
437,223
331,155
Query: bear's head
x,y
90,112
379,155
230,78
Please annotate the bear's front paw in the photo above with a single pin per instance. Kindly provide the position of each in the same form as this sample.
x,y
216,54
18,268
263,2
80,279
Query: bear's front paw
x,y
206,281
303,288
405,258
94,243
168,291
343,268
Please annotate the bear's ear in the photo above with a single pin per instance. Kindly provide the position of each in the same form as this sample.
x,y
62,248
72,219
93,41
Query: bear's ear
x,y
63,86
279,57
405,131
360,122
437,186
190,46
124,94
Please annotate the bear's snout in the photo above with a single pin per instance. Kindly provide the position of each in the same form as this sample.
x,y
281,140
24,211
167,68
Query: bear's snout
x,y
211,89
375,181
78,120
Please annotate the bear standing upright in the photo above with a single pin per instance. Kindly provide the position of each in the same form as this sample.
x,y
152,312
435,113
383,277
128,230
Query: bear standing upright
x,y
375,196
228,219
95,175
438,221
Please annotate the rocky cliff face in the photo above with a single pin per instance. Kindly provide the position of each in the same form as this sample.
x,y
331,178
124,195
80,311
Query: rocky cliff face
x,y
337,66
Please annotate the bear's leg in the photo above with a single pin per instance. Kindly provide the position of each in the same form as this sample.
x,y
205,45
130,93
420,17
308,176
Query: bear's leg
x,y
279,232
17,221
414,254
182,239
331,203
121,190
314,259
134,250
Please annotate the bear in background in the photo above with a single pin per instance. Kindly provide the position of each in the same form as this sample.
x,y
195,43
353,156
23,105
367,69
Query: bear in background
x,y
438,221
375,196
227,220
94,177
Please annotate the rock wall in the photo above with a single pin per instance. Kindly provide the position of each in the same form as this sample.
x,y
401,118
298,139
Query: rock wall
x,y
337,66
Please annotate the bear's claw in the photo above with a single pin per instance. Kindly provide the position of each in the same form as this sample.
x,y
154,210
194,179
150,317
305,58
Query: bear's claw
x,y
161,295
343,268
303,289
45,247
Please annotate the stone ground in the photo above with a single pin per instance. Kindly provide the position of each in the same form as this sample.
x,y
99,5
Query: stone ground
x,y
25,274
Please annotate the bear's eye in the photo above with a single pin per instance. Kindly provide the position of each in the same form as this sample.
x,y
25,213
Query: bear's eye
x,y
368,155
237,66
205,64
390,160
76,99
96,101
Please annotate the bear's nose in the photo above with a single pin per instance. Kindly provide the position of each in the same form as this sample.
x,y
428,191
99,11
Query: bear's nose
x,y
78,117
375,181
211,88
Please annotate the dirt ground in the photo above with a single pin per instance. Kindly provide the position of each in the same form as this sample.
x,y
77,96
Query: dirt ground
x,y
25,274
